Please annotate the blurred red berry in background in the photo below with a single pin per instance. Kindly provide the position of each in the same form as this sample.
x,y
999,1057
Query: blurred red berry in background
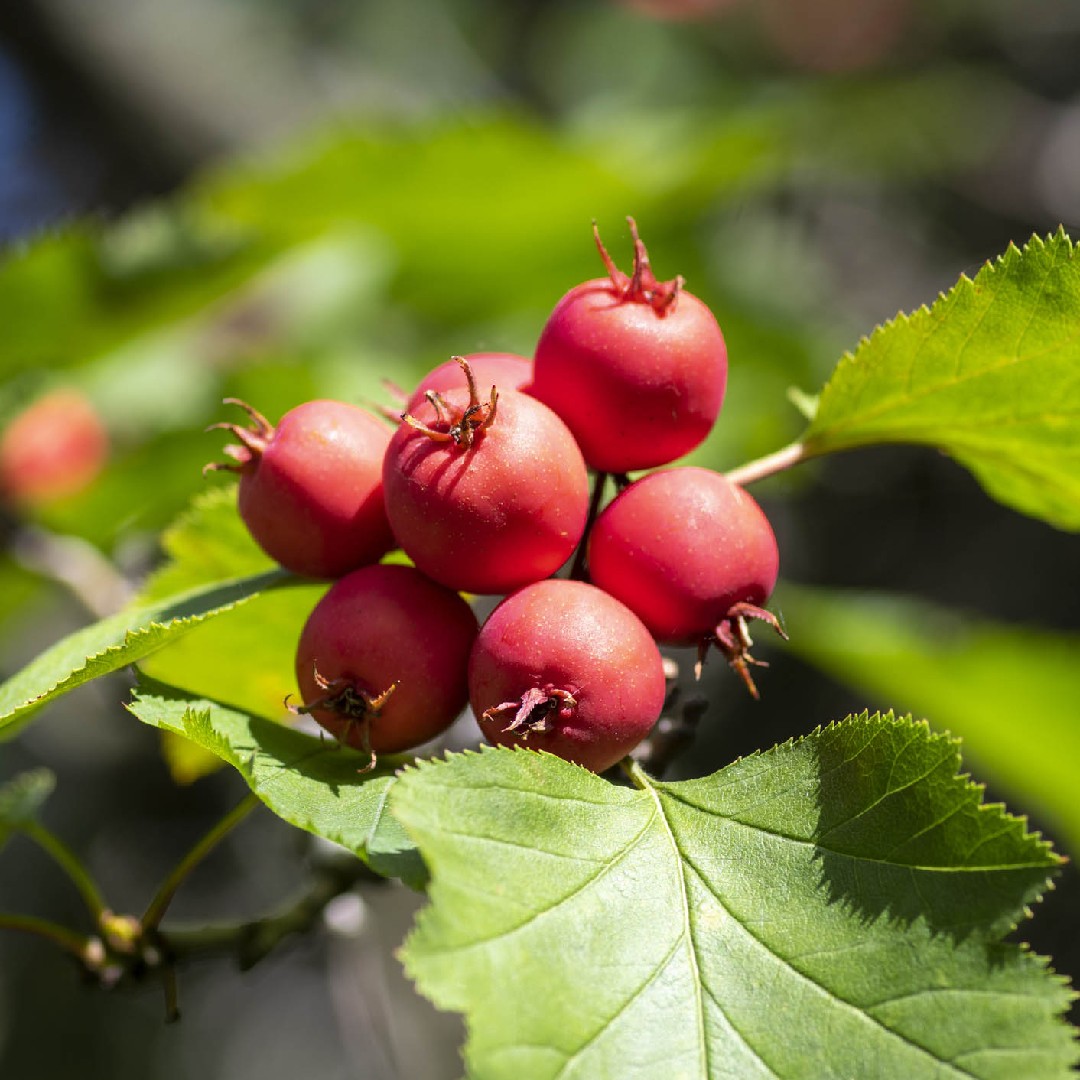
x,y
52,449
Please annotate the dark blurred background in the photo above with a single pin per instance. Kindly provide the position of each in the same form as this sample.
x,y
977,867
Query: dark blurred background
x,y
811,166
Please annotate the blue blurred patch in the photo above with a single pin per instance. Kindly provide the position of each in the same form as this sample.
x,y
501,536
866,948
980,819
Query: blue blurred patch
x,y
30,196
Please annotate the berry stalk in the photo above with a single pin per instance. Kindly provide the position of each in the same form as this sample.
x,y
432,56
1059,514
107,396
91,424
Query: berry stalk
x,y
788,456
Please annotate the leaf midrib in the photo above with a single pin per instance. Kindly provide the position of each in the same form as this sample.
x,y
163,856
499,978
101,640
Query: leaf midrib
x,y
688,930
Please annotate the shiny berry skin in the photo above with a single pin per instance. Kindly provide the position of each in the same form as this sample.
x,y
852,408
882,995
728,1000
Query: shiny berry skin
x,y
53,449
562,666
637,368
489,496
382,659
310,489
692,554
507,371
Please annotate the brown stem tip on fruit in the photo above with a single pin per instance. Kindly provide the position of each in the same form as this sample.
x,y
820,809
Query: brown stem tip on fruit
x,y
355,704
732,638
533,711
253,439
459,426
642,286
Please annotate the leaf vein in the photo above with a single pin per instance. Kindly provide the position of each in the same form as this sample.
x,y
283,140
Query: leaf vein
x,y
857,419
688,929
927,828
505,932
859,1011
623,1006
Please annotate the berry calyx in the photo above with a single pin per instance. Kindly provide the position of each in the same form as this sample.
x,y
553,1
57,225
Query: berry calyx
x,y
357,705
561,666
731,636
507,370
642,286
532,712
636,367
461,426
381,661
253,441
310,488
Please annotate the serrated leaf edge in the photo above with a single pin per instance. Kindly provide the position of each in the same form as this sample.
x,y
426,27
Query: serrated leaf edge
x,y
181,623
970,788
856,358
237,761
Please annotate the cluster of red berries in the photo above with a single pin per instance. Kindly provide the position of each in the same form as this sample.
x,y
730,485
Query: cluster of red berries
x,y
487,492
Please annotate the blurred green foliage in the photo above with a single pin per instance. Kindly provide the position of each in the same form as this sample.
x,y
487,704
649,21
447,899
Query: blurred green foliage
x,y
445,208
376,251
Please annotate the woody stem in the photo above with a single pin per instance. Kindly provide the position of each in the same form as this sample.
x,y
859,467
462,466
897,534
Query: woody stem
x,y
578,571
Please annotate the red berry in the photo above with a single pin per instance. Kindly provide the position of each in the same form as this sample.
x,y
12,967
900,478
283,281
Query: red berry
x,y
311,489
485,497
382,658
508,371
564,667
54,448
636,368
692,555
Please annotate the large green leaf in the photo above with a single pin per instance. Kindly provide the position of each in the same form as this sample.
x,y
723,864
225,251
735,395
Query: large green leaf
x,y
316,784
833,907
1011,692
120,640
990,374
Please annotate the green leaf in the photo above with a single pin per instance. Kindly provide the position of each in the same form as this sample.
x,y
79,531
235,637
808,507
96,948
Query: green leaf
x,y
313,783
21,798
1009,692
246,657
833,907
990,374
119,640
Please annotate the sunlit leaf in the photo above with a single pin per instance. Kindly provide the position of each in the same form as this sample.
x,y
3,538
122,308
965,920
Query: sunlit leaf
x,y
1011,692
119,640
833,907
207,542
990,374
246,657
